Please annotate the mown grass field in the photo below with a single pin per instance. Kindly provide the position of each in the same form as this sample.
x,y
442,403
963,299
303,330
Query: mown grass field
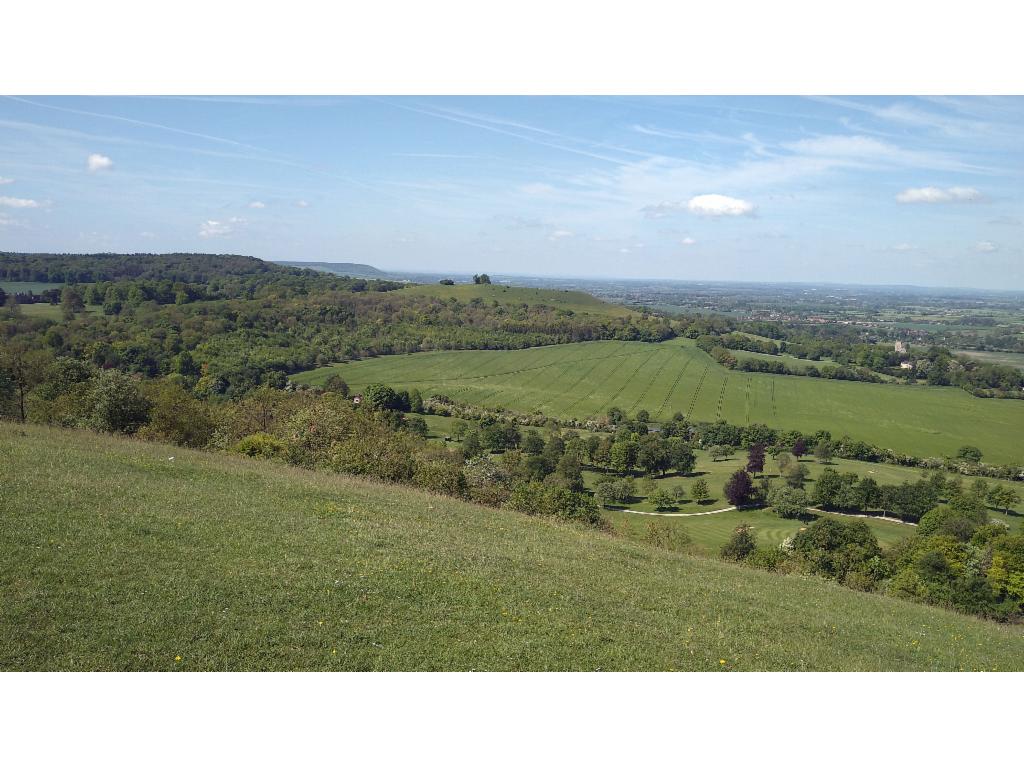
x,y
116,556
1016,359
24,287
584,380
574,301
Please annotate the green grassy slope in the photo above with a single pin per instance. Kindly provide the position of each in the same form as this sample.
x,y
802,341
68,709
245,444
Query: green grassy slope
x,y
575,301
113,555
584,380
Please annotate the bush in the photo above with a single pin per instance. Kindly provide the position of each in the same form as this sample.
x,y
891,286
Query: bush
x,y
441,475
115,403
766,559
540,499
832,548
177,417
740,545
261,446
662,499
667,536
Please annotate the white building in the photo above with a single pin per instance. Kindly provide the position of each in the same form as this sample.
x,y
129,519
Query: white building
x,y
901,347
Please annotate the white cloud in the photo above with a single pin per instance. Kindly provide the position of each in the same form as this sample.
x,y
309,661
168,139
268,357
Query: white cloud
x,y
99,163
560,234
939,195
719,205
257,204
302,204
986,246
147,235
6,180
689,241
662,210
904,247
211,228
18,202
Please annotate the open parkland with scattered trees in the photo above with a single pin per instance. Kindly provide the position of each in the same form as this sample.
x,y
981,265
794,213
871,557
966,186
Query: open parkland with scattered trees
x,y
414,449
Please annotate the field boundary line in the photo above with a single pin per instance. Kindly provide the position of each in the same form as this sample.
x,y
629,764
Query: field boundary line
x,y
668,396
696,392
611,399
650,382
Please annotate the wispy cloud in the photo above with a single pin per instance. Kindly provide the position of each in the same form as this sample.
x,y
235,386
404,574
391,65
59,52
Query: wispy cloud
x,y
6,180
939,195
18,202
986,246
688,241
212,228
257,204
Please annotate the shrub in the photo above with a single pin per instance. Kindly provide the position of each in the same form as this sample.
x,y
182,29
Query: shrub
x,y
832,548
115,403
177,417
661,499
540,499
740,545
441,475
667,536
261,446
699,491
770,559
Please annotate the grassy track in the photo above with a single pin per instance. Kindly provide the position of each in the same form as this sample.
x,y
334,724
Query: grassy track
x,y
585,380
115,557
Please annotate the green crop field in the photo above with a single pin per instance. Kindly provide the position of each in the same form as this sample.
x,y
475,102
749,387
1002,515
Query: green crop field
x,y
118,554
1016,359
16,287
584,380
574,301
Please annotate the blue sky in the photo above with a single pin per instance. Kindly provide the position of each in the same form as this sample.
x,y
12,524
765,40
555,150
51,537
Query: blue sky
x,y
927,191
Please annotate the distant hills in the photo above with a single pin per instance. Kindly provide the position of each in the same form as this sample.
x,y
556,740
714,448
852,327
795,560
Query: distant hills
x,y
340,268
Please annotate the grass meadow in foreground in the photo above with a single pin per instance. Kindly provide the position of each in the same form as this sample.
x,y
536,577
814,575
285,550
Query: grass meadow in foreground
x,y
584,380
122,555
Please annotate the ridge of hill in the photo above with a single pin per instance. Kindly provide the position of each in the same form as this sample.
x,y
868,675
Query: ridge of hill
x,y
348,269
119,554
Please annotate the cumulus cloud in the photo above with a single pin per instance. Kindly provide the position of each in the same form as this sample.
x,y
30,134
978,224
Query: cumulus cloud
x,y
939,195
211,228
257,204
18,202
986,246
6,180
560,234
689,241
719,205
302,204
98,163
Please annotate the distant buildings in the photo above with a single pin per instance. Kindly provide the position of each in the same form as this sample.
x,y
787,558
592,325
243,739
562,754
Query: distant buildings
x,y
901,347
906,365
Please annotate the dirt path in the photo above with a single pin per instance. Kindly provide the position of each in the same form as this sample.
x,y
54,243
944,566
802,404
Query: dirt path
x,y
678,514
730,509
